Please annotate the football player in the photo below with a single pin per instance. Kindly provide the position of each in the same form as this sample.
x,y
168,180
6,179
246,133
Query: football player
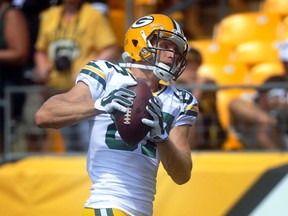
x,y
123,176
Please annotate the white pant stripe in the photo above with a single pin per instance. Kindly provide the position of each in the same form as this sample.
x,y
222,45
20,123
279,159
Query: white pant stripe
x,y
103,212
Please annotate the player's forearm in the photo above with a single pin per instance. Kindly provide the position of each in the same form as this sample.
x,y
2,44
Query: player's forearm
x,y
177,163
57,113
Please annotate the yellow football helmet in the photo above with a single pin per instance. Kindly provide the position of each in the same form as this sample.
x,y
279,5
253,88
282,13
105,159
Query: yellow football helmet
x,y
141,45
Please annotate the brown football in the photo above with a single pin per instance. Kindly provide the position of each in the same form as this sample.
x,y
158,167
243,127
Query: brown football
x,y
129,124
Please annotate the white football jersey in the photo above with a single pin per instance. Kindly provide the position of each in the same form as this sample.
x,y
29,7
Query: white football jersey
x,y
123,176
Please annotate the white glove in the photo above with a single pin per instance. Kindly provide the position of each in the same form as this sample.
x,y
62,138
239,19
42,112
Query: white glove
x,y
158,132
118,99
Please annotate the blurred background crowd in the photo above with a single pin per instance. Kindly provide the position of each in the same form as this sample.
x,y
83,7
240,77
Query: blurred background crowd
x,y
237,67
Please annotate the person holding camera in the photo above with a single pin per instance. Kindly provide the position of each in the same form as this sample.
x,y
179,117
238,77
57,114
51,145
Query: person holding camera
x,y
71,34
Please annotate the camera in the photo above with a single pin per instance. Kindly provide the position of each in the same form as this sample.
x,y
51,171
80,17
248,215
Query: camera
x,y
63,63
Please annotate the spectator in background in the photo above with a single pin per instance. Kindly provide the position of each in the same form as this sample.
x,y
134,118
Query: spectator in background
x,y
71,34
262,122
257,122
31,10
14,52
29,137
207,133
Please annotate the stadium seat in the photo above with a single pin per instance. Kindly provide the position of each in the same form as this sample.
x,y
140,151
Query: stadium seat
x,y
55,142
228,74
261,72
212,52
225,74
255,52
208,71
224,97
232,142
275,6
247,26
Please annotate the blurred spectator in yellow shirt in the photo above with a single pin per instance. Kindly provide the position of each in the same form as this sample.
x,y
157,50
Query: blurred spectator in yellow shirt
x,y
71,34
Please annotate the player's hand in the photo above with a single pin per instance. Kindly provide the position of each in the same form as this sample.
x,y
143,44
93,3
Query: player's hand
x,y
158,132
118,99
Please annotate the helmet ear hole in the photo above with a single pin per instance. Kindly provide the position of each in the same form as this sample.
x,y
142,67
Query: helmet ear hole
x,y
135,42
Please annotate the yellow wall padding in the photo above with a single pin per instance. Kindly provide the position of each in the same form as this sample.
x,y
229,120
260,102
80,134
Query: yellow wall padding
x,y
44,186
52,186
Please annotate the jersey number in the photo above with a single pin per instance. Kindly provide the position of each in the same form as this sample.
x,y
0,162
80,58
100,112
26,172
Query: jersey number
x,y
149,149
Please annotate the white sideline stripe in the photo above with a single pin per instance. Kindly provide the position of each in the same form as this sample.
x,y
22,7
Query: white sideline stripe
x,y
275,203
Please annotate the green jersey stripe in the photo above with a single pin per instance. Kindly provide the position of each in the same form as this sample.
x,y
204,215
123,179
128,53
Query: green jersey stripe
x,y
191,113
94,75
